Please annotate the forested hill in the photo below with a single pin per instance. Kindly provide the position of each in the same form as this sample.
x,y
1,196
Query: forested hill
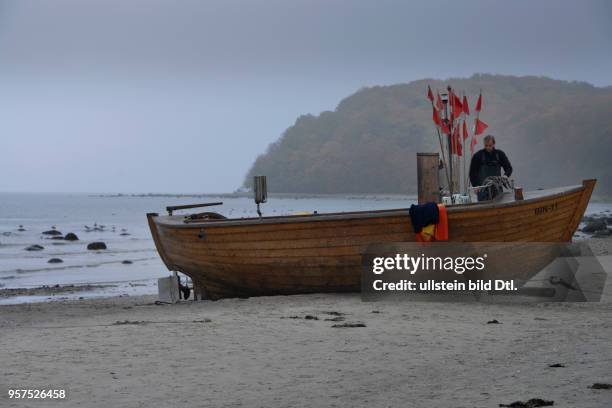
x,y
554,132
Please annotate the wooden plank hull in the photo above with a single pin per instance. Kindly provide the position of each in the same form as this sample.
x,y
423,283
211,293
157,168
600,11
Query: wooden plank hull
x,y
322,253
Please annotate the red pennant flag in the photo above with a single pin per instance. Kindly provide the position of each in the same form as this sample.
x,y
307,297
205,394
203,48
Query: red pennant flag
x,y
459,146
472,144
436,117
439,103
457,106
456,142
465,131
478,104
444,128
466,107
430,94
480,127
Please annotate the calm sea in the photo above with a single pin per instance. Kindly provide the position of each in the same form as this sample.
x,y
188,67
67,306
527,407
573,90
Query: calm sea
x,y
125,233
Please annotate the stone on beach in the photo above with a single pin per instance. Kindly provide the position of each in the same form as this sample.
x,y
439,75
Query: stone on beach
x,y
602,233
55,260
71,237
595,224
601,386
35,248
94,246
532,403
52,232
348,325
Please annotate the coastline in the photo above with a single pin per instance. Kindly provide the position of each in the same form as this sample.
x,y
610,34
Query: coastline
x,y
600,247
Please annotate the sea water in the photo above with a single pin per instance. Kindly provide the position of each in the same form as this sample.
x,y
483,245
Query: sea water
x,y
120,222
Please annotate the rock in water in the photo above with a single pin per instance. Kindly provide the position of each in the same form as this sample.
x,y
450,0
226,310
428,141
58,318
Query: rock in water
x,y
127,262
71,237
52,232
94,246
55,260
595,225
35,248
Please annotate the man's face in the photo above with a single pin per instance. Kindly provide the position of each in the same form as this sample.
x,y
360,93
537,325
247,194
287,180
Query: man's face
x,y
489,145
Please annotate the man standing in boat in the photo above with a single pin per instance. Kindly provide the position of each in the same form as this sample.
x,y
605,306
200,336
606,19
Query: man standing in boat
x,y
488,162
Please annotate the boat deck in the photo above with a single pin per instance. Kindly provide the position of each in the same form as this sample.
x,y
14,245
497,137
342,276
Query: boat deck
x,y
506,200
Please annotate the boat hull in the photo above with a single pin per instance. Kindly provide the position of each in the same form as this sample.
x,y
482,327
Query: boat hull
x,y
323,253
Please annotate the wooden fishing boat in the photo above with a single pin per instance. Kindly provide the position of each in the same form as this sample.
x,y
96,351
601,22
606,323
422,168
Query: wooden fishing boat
x,y
323,252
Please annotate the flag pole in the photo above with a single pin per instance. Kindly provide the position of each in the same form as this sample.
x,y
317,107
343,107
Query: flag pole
x,y
465,172
456,119
464,139
464,151
443,159
441,148
477,116
450,149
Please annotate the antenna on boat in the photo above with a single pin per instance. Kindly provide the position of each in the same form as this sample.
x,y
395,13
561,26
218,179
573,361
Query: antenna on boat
x,y
260,191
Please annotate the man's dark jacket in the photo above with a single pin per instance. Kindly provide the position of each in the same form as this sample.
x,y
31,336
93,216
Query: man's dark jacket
x,y
485,164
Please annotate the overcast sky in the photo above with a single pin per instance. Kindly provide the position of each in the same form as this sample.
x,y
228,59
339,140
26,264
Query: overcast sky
x,y
181,96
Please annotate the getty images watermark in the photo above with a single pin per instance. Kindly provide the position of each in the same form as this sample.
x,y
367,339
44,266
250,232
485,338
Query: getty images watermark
x,y
412,264
540,271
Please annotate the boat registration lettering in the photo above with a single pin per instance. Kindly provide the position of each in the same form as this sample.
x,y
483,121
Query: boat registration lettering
x,y
546,209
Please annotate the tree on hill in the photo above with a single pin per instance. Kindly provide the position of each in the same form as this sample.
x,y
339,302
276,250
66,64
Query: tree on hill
x,y
554,132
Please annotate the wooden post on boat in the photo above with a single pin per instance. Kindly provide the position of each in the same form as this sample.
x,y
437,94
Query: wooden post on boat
x,y
260,191
445,118
518,193
427,177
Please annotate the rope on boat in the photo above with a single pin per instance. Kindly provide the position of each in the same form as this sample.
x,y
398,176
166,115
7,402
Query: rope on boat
x,y
498,181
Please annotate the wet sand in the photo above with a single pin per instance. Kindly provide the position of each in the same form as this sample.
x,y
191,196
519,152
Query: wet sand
x,y
46,290
285,351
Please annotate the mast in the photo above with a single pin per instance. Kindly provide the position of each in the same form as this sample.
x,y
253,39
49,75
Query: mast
x,y
464,150
444,97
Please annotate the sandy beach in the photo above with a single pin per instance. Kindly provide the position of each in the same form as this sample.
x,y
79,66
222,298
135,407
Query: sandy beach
x,y
321,350
285,351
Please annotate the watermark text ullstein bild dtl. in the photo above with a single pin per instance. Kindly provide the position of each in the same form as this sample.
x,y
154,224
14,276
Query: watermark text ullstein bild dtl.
x,y
413,264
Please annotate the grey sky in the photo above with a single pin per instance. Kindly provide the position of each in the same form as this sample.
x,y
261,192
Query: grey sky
x,y
181,96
